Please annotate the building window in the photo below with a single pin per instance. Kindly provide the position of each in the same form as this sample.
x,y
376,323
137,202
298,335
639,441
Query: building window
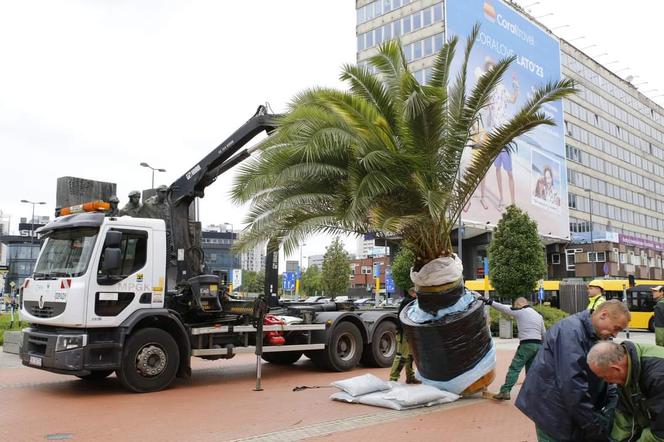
x,y
596,257
555,259
366,270
570,264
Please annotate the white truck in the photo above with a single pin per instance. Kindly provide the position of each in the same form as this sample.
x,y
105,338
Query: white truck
x,y
128,295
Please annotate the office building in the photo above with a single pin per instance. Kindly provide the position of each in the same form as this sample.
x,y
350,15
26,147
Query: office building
x,y
220,260
609,213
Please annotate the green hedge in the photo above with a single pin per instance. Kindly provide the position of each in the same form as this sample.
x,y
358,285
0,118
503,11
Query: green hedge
x,y
551,316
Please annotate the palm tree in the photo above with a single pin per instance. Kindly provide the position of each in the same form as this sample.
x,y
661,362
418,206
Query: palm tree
x,y
383,156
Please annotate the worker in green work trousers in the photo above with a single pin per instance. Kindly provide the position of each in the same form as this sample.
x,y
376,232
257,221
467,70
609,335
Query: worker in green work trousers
x,y
658,296
530,326
404,357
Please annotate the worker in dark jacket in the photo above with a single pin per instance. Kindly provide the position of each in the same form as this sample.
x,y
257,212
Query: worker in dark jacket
x,y
658,296
404,357
638,369
560,394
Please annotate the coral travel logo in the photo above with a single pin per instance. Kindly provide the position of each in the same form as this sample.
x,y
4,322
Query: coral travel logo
x,y
494,17
489,12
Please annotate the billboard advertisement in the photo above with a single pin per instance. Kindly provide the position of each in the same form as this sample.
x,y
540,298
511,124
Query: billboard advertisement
x,y
533,175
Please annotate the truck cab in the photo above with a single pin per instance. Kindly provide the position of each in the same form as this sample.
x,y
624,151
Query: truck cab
x,y
93,273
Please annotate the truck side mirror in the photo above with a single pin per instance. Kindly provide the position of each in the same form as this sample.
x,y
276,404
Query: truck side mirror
x,y
112,257
113,239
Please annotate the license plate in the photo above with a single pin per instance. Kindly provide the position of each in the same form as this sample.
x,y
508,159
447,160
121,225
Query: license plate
x,y
36,361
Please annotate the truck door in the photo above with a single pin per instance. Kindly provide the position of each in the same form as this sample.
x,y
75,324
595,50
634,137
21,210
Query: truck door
x,y
117,293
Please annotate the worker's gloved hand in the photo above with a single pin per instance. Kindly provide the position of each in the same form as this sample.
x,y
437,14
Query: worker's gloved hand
x,y
487,301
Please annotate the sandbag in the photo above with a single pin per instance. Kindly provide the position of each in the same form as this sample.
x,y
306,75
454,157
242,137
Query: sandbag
x,y
359,385
413,395
400,397
451,345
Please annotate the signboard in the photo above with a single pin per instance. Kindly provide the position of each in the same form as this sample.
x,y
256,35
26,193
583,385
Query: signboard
x,y
289,281
376,270
533,175
237,277
643,243
389,282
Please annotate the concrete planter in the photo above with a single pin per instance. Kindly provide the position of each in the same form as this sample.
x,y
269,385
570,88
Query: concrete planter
x,y
505,328
13,340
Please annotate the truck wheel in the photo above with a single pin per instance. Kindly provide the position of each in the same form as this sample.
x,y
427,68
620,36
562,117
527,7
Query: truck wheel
x,y
97,375
282,358
651,325
150,361
383,347
343,351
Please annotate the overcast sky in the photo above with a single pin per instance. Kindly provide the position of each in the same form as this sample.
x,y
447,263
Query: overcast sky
x,y
92,88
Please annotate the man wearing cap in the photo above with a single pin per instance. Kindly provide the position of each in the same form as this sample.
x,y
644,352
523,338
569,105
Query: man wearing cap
x,y
113,202
658,296
595,297
532,331
133,207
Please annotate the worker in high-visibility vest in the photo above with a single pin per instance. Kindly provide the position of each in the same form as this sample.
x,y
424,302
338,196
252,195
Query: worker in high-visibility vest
x,y
595,297
658,296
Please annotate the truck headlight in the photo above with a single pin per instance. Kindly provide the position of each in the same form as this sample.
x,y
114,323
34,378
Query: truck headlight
x,y
68,342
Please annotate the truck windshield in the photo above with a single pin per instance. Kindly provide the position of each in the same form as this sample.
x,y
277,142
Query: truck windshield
x,y
66,253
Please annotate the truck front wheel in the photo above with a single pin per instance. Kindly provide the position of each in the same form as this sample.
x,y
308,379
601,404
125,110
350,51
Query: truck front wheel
x,y
150,361
343,351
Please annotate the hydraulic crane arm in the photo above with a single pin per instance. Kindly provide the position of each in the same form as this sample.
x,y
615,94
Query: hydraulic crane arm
x,y
185,247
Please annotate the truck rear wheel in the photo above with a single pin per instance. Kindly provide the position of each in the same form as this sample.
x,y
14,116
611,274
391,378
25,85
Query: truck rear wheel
x,y
383,347
97,375
343,350
150,361
282,358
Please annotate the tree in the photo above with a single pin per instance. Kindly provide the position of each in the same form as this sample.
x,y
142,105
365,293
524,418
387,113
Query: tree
x,y
252,282
516,255
336,269
384,157
312,281
401,266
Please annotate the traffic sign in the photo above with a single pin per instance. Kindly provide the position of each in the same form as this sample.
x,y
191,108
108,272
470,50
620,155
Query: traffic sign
x,y
289,281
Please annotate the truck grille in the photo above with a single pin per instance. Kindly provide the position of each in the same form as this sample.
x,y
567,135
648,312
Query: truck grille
x,y
49,310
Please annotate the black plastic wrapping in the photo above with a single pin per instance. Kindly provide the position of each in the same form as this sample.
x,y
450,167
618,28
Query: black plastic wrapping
x,y
431,302
446,348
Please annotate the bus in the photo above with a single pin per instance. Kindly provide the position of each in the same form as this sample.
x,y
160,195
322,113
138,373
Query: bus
x,y
639,299
551,290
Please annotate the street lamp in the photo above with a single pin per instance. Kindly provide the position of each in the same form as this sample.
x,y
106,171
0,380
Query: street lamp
x,y
153,169
542,16
32,230
576,38
592,244
299,273
531,4
559,27
588,47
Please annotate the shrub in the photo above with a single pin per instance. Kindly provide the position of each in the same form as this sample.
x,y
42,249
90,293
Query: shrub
x,y
550,314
